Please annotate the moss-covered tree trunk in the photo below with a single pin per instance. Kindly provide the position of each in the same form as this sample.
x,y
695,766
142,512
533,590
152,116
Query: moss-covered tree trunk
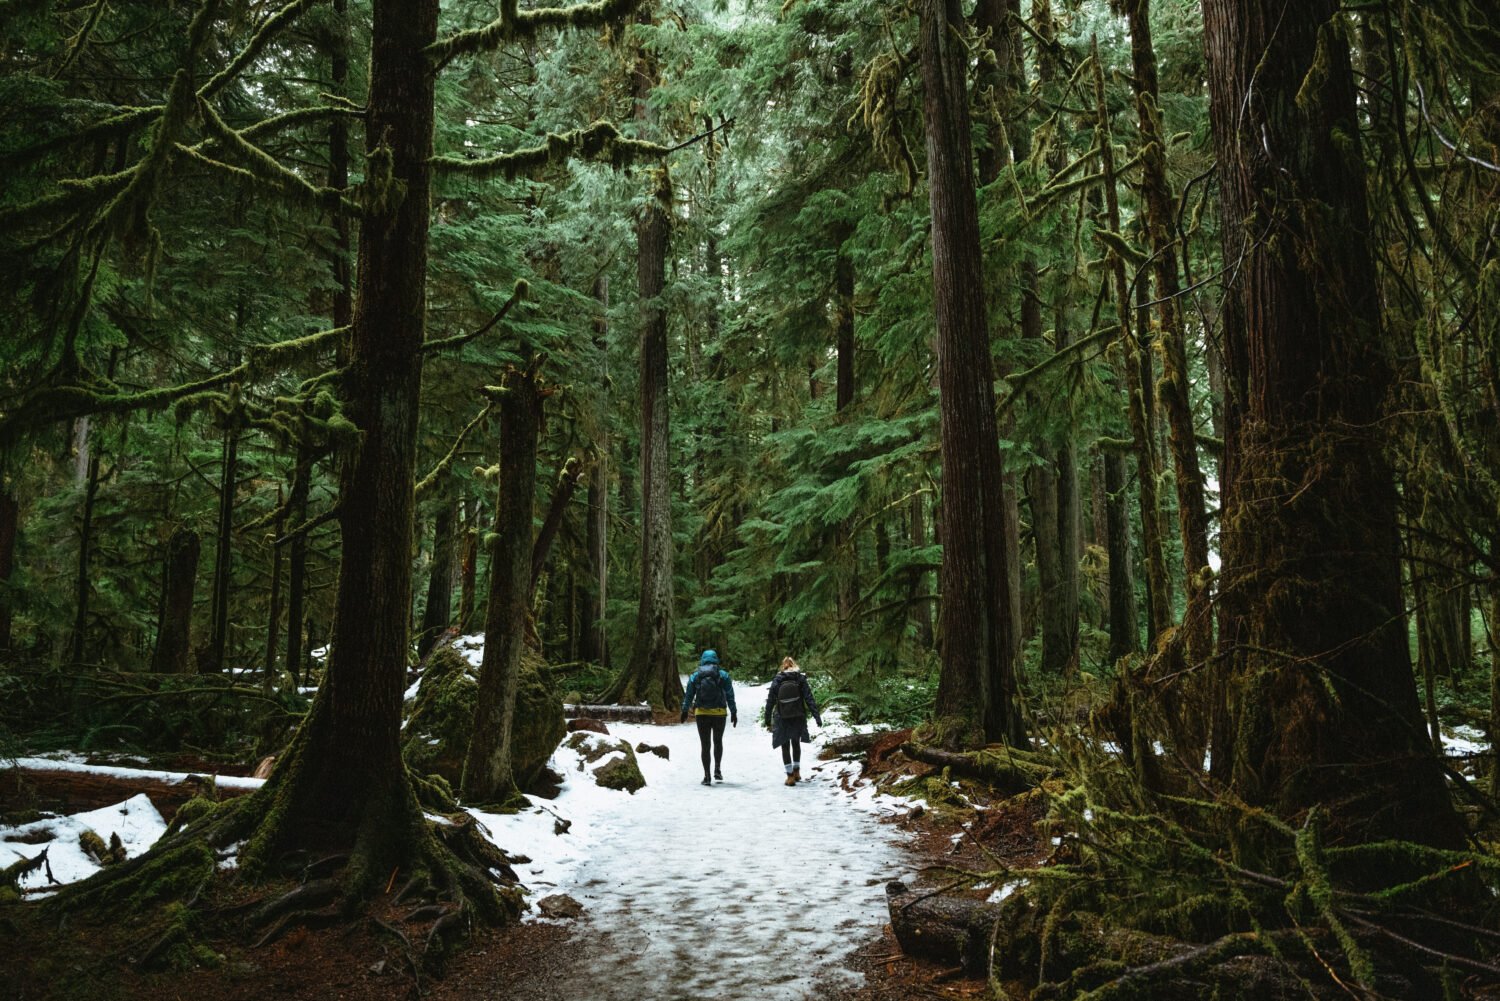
x,y
488,776
1324,703
1160,218
557,508
976,699
343,783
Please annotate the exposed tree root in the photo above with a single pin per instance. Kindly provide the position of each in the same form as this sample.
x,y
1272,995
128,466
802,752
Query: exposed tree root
x,y
178,898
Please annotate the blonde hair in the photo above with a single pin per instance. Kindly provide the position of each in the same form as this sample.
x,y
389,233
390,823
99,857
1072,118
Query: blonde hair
x,y
788,663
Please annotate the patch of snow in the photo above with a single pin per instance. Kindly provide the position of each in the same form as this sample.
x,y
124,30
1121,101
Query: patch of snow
x,y
1005,890
231,856
1465,740
135,820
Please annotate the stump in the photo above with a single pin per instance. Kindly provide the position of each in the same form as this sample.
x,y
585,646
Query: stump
x,y
947,929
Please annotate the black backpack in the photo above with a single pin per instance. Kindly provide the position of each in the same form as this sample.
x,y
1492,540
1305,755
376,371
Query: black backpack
x,y
789,704
710,689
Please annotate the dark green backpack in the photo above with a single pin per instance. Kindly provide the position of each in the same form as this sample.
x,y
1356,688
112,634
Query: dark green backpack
x,y
710,689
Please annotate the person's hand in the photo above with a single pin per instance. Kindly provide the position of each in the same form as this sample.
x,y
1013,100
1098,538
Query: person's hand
x,y
734,719
818,721
684,717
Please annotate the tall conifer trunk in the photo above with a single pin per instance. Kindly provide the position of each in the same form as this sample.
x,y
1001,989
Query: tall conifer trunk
x,y
652,672
595,648
173,653
488,777
1002,20
1322,692
296,571
976,699
438,610
343,783
223,553
10,518
1160,219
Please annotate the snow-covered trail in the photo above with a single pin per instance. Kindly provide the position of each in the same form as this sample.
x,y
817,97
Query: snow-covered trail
x,y
746,889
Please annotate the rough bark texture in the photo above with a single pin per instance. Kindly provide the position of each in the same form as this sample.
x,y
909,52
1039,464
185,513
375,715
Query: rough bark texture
x,y
976,699
438,612
1009,139
1324,704
173,653
651,674
595,647
488,777
343,782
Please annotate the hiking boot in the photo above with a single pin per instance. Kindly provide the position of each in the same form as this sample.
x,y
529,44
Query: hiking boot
x,y
707,781
797,773
718,775
791,778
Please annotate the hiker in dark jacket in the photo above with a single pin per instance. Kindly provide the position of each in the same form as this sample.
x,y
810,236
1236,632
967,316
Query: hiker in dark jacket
x,y
711,691
788,705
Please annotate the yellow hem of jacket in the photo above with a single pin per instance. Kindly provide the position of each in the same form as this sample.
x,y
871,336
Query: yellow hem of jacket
x,y
711,712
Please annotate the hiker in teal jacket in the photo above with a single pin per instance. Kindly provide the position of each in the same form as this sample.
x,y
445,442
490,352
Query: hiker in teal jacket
x,y
711,694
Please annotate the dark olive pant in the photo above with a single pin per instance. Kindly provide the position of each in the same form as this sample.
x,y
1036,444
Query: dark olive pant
x,y
712,726
791,750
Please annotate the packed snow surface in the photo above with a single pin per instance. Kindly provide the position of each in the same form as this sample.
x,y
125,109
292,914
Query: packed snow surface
x,y
746,889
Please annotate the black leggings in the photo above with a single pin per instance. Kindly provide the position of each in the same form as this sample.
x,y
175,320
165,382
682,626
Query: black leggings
x,y
712,725
791,750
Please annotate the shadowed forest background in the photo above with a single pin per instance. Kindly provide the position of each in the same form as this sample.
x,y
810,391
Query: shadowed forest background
x,y
1108,390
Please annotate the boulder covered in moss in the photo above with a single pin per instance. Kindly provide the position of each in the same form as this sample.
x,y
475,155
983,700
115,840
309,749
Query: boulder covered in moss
x,y
610,761
440,720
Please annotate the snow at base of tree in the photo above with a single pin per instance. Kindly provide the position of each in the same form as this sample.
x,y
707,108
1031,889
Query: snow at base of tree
x,y
136,821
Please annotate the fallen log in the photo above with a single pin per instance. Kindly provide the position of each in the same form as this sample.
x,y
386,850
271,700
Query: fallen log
x,y
942,928
853,743
613,713
1009,770
68,787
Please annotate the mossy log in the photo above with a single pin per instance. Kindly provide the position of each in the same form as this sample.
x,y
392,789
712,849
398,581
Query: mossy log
x,y
1009,770
611,713
941,927
854,743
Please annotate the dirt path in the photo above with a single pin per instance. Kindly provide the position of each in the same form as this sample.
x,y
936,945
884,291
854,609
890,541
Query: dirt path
x,y
743,890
